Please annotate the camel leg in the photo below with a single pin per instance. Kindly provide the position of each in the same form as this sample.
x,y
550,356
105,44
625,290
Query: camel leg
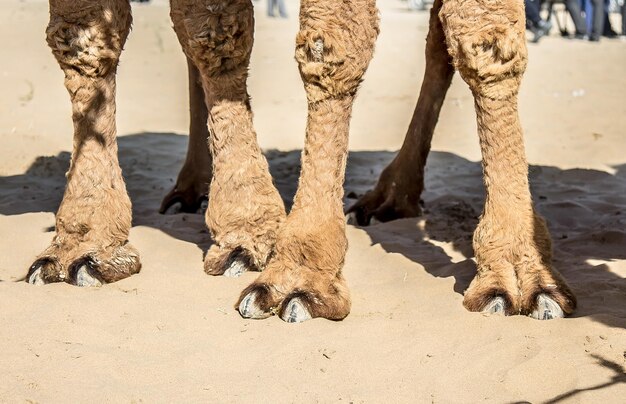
x,y
245,209
400,186
192,185
91,242
512,244
304,279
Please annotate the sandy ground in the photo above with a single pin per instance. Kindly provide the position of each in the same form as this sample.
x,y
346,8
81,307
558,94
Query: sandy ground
x,y
171,333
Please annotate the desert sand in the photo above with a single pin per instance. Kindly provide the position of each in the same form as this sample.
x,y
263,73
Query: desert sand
x,y
171,334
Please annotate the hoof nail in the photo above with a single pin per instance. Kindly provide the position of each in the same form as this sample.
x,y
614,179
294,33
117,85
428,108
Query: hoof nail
x,y
36,278
173,209
235,268
249,309
496,306
295,312
85,279
547,309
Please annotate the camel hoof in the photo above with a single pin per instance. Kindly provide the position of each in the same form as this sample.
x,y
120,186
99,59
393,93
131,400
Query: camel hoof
x,y
230,264
85,278
172,209
496,306
235,268
36,277
176,202
351,218
295,312
248,308
547,308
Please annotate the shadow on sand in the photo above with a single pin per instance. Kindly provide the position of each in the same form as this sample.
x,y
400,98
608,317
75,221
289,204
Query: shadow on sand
x,y
585,209
619,377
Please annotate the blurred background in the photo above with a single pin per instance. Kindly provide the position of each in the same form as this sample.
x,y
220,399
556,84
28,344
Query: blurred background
x,y
573,88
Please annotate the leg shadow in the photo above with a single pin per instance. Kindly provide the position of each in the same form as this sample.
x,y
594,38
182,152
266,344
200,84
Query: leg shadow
x,y
585,211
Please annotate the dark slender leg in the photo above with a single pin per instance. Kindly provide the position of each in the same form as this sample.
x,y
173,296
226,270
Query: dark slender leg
x,y
400,186
573,7
192,185
624,19
597,19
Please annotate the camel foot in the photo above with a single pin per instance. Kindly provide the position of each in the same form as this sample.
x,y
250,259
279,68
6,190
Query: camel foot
x,y
190,194
259,304
351,218
541,303
396,196
229,262
369,210
183,201
547,308
295,295
536,301
89,269
543,296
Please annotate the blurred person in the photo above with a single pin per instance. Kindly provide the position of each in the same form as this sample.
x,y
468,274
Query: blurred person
x,y
608,31
594,15
534,23
575,12
624,20
272,4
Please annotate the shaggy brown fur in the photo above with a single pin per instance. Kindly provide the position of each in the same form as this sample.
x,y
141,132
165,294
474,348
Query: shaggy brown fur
x,y
245,209
94,219
302,254
486,42
333,49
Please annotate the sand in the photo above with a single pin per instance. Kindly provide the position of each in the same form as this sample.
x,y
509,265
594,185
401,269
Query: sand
x,y
171,334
